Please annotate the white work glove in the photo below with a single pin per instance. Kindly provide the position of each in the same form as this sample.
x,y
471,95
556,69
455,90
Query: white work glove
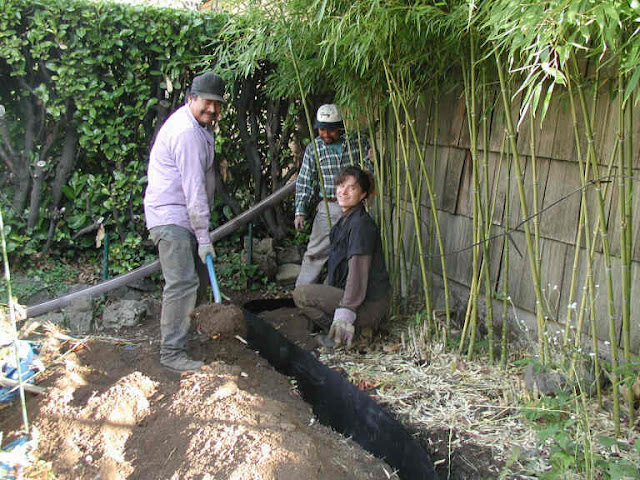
x,y
342,329
298,222
205,249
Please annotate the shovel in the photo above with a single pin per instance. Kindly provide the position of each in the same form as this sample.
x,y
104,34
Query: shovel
x,y
214,280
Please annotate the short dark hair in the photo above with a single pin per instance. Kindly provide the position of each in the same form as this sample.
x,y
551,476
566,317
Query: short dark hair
x,y
363,178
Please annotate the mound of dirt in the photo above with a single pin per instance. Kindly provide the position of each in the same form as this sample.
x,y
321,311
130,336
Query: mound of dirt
x,y
219,319
112,412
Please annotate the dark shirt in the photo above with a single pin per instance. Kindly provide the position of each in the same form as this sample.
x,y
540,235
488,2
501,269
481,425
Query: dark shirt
x,y
356,234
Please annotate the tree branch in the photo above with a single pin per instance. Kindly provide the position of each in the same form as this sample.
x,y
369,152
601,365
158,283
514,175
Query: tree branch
x,y
38,177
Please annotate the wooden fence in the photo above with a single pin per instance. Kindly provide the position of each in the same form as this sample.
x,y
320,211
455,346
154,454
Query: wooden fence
x,y
559,193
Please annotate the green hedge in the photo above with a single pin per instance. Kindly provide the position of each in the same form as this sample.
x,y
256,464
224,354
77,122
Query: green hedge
x,y
102,76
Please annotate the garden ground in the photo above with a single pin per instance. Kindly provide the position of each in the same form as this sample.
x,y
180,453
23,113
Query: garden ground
x,y
111,411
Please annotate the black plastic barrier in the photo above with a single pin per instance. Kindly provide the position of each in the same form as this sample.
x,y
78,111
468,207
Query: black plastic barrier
x,y
336,402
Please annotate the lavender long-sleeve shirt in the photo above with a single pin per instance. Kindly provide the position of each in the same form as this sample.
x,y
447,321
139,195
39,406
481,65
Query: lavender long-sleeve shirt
x,y
180,176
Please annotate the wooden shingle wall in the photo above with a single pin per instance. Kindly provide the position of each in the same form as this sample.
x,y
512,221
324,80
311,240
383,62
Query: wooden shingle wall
x,y
559,196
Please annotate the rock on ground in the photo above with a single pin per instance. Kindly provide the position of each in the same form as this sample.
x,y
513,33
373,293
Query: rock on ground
x,y
123,313
288,273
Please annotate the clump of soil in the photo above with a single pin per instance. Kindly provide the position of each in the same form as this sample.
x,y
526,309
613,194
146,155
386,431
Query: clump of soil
x,y
112,412
218,319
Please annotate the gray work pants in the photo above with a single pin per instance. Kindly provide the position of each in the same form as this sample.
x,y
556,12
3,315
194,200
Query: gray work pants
x,y
318,302
185,284
317,252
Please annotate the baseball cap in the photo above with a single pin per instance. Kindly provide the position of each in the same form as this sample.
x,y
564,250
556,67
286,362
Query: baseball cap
x,y
329,117
209,85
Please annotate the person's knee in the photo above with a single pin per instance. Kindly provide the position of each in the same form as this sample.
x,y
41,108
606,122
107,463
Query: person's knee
x,y
301,295
186,287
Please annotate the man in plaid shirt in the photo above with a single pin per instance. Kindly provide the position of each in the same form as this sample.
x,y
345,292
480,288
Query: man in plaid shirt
x,y
335,151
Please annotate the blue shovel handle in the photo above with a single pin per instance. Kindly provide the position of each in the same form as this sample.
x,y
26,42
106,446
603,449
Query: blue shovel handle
x,y
214,281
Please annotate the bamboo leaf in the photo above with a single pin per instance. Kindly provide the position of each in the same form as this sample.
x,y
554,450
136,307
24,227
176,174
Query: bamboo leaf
x,y
321,10
632,84
553,72
546,102
536,98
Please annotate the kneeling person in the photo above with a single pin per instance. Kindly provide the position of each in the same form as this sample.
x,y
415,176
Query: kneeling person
x,y
356,294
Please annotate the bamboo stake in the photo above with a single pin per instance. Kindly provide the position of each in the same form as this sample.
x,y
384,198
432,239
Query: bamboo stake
x,y
590,247
470,87
629,186
384,191
629,177
535,184
378,156
434,158
402,252
413,249
12,318
434,219
582,211
485,222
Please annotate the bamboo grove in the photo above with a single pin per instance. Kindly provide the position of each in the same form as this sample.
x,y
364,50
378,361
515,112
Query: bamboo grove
x,y
510,64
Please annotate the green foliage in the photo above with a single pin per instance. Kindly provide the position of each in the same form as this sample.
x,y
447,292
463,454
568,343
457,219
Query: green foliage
x,y
540,38
234,273
110,71
549,410
561,427
19,242
52,279
340,47
301,237
127,255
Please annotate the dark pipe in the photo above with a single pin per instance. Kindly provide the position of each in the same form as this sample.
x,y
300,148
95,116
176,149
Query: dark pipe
x,y
146,270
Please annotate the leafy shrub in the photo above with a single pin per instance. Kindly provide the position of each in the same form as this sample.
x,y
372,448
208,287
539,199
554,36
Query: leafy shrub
x,y
100,77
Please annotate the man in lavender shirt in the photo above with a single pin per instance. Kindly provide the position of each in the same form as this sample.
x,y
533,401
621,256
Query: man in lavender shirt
x,y
176,206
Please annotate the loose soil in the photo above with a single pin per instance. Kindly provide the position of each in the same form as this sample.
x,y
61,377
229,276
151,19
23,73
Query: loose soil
x,y
111,411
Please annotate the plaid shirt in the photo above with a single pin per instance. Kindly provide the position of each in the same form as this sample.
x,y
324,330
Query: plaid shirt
x,y
353,153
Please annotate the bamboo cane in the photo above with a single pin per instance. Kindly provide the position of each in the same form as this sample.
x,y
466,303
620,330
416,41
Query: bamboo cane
x,y
523,207
625,260
505,265
405,155
12,317
434,214
310,126
413,249
487,215
581,220
470,95
589,287
592,158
